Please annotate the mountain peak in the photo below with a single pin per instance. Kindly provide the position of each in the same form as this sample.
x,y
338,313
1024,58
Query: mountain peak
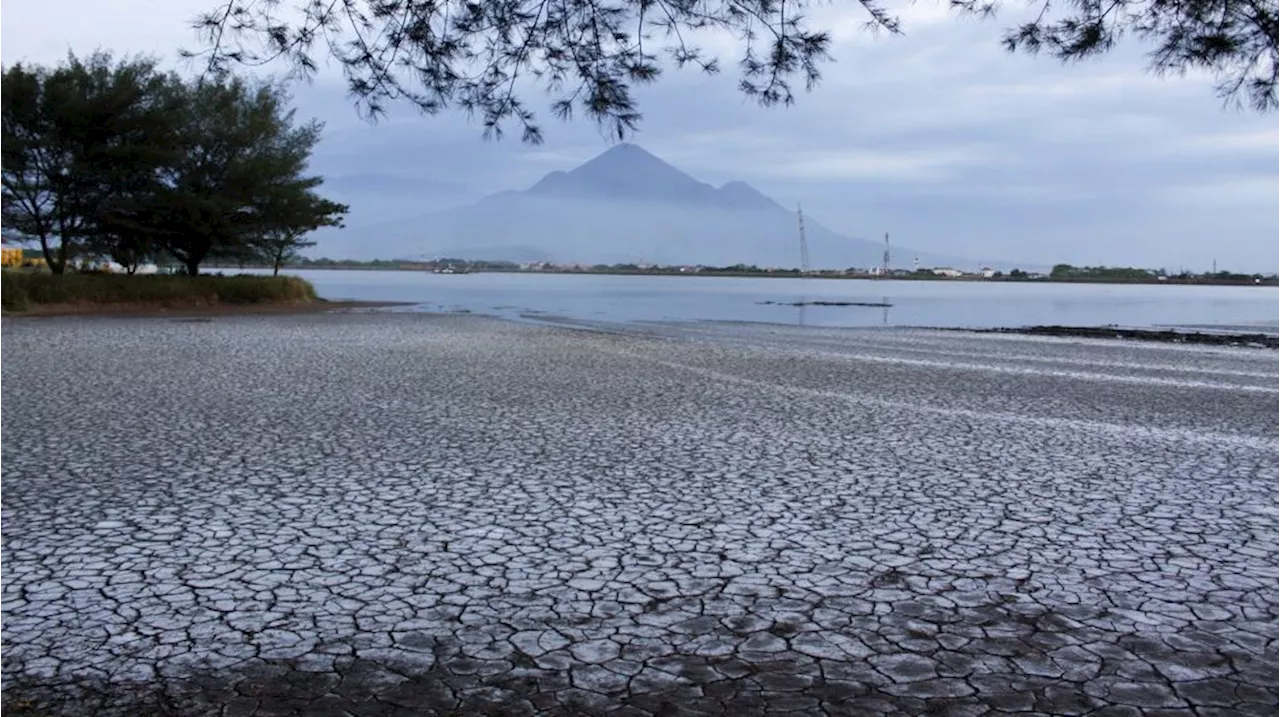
x,y
627,206
631,159
624,149
625,172
628,172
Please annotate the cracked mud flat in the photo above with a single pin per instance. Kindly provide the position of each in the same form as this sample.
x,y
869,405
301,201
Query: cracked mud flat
x,y
408,514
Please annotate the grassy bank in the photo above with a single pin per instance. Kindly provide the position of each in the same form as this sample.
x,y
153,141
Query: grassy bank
x,y
24,291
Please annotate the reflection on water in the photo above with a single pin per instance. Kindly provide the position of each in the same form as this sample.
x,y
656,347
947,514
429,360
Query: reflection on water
x,y
912,303
804,304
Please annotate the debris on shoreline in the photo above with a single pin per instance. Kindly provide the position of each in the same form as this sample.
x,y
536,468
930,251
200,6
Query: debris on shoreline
x,y
1166,335
876,304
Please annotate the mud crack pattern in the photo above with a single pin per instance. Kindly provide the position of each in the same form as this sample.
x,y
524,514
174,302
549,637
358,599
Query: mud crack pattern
x,y
405,514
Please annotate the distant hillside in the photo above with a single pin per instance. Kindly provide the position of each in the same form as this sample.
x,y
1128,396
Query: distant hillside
x,y
623,206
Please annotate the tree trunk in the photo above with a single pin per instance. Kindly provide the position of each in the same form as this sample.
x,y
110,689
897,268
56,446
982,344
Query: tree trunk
x,y
49,259
191,259
61,265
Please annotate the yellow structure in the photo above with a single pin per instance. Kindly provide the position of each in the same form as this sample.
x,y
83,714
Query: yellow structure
x,y
10,257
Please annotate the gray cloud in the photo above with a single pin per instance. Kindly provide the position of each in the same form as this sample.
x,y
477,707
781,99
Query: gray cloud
x,y
938,137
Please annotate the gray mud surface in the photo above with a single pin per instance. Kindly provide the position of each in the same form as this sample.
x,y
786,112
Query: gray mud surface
x,y
405,514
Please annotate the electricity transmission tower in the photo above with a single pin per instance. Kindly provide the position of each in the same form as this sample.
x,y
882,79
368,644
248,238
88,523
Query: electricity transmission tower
x,y
884,269
804,243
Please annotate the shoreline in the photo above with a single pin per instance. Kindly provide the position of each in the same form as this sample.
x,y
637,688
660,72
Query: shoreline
x,y
145,310
1150,335
775,275
1256,340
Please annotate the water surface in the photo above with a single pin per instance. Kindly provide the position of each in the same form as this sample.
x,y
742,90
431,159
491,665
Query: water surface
x,y
604,298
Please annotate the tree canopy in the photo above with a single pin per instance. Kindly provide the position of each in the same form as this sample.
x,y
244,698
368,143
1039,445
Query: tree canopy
x,y
107,159
588,54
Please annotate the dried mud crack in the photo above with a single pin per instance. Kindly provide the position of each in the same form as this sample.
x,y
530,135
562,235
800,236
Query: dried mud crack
x,y
402,514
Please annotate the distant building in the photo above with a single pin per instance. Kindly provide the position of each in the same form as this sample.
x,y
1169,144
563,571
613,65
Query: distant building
x,y
948,272
10,255
987,272
114,268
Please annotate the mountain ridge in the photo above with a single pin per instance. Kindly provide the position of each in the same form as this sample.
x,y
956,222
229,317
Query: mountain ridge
x,y
628,171
626,205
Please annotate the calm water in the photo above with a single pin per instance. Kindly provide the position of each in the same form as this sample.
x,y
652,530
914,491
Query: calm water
x,y
913,303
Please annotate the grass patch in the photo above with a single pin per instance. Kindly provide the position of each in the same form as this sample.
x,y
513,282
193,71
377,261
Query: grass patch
x,y
20,291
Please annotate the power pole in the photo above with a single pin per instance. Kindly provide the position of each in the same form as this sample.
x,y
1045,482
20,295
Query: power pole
x,y
884,270
804,243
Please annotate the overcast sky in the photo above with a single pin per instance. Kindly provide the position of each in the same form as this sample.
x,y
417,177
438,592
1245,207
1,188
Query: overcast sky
x,y
938,137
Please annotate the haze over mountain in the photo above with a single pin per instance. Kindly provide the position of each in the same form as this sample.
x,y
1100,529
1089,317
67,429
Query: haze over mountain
x,y
377,198
623,206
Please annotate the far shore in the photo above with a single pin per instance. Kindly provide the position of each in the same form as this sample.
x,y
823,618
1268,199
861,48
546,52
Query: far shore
x,y
1171,281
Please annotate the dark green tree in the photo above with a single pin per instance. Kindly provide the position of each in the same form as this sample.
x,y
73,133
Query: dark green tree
x,y
239,152
139,141
106,159
29,203
589,54
291,211
78,141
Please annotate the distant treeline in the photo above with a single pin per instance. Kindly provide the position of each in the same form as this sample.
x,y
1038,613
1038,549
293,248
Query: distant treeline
x,y
1067,272
1060,273
302,262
